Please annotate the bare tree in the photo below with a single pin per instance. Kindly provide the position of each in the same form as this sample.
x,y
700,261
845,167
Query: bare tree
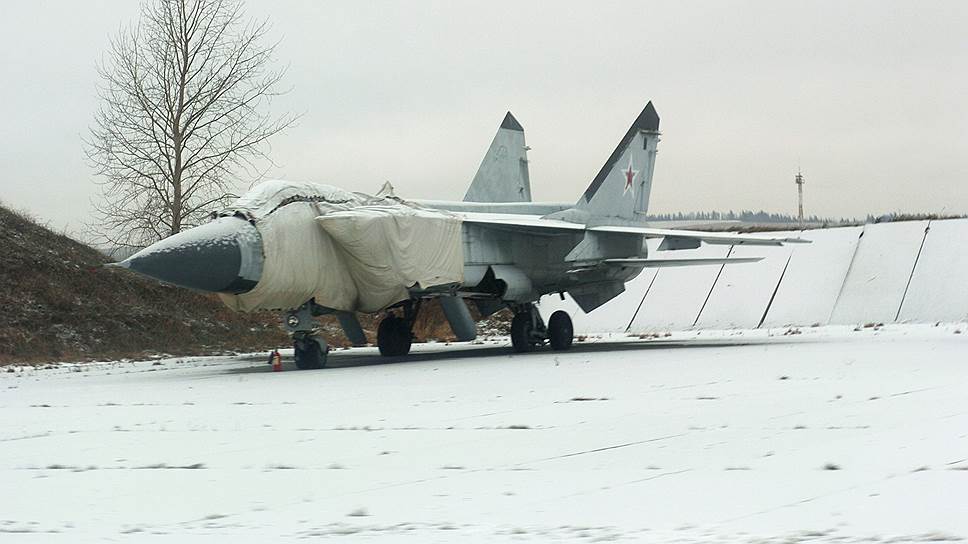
x,y
184,93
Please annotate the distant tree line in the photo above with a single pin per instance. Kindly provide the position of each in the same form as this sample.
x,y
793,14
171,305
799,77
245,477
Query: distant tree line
x,y
900,216
748,216
761,217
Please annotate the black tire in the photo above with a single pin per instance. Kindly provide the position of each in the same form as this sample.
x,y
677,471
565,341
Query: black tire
x,y
309,354
560,331
393,337
521,333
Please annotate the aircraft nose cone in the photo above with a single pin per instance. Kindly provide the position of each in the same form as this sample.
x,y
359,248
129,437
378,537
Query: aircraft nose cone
x,y
223,256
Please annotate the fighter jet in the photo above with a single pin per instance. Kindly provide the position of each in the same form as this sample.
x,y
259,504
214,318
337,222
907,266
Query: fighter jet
x,y
309,249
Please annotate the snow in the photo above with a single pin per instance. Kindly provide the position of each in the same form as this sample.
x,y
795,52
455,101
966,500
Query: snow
x,y
813,278
677,294
879,273
743,291
842,278
937,291
707,436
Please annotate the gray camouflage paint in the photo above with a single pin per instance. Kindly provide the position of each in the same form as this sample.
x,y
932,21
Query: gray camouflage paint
x,y
517,264
560,262
503,174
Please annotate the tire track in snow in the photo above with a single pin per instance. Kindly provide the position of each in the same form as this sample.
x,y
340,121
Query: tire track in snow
x,y
599,450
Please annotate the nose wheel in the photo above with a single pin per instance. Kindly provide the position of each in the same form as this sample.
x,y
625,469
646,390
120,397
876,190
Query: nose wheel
x,y
310,351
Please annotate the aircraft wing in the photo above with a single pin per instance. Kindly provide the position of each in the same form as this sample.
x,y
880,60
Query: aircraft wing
x,y
674,238
723,238
512,220
664,263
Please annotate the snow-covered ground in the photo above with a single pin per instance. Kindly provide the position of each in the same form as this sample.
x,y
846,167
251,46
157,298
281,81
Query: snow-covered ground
x,y
831,435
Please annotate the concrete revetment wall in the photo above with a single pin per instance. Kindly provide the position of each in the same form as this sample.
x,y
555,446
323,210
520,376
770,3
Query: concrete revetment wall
x,y
879,273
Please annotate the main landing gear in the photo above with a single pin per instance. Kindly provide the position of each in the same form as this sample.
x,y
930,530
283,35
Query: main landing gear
x,y
528,330
395,334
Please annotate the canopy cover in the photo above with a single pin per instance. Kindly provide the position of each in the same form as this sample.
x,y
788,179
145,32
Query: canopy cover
x,y
348,251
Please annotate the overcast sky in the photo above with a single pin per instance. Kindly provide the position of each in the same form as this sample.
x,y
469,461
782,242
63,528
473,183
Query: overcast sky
x,y
870,98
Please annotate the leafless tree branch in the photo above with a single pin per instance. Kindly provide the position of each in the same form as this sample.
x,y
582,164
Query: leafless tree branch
x,y
183,99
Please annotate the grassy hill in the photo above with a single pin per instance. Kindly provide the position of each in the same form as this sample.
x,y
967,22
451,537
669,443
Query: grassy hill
x,y
58,303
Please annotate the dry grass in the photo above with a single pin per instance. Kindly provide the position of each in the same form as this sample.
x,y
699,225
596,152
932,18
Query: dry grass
x,y
60,304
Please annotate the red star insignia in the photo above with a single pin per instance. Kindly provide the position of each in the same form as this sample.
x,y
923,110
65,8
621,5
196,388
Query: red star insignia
x,y
629,177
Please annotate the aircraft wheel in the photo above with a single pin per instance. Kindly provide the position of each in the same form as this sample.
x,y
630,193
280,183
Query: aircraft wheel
x,y
393,337
521,328
560,331
310,352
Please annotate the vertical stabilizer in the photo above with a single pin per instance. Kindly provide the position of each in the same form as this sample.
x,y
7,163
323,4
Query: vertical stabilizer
x,y
622,187
503,175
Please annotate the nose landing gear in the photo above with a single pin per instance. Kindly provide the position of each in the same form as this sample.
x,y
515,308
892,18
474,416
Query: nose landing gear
x,y
309,348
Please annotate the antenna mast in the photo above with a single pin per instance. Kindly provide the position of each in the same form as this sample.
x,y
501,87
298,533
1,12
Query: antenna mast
x,y
799,181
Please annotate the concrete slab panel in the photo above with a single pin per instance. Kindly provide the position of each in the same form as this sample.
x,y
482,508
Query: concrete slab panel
x,y
879,273
677,294
814,277
937,291
743,291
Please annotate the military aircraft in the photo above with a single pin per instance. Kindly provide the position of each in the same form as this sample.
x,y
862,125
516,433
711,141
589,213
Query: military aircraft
x,y
309,249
